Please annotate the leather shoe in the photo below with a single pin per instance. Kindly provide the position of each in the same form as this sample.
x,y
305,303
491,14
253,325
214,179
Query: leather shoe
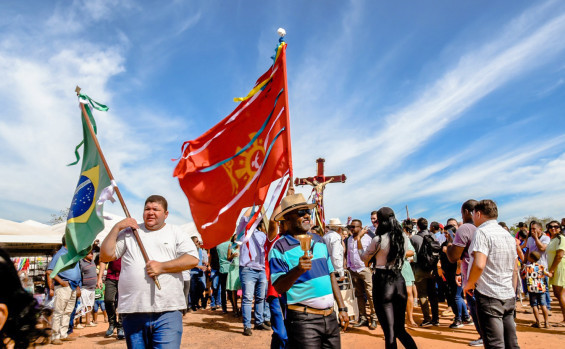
x,y
373,325
262,326
362,322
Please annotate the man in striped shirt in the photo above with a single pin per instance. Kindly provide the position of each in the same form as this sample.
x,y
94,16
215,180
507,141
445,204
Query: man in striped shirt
x,y
307,280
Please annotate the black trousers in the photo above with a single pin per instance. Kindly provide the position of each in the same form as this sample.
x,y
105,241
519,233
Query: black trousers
x,y
496,319
311,331
223,291
110,301
389,298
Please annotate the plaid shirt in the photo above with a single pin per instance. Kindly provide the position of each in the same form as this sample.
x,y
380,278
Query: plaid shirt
x,y
499,247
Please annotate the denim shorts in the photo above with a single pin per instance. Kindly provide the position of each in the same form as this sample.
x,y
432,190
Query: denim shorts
x,y
98,304
537,299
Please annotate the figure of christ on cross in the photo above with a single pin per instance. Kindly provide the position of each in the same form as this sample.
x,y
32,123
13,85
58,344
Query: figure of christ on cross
x,y
319,183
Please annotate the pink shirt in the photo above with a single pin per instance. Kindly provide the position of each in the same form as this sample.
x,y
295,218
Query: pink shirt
x,y
354,261
463,237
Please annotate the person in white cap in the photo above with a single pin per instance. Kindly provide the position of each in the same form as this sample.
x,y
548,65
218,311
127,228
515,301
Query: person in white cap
x,y
335,245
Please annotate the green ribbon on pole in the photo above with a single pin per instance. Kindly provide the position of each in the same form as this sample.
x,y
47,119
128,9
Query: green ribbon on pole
x,y
95,105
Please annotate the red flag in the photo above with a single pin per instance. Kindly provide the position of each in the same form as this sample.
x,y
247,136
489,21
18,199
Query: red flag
x,y
232,165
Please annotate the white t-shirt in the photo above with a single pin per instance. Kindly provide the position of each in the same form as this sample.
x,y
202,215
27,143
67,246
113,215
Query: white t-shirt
x,y
137,291
531,244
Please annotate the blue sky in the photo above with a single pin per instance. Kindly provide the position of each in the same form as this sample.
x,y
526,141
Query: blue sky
x,y
425,104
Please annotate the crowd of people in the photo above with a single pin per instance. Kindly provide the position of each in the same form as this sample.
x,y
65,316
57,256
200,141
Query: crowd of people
x,y
287,276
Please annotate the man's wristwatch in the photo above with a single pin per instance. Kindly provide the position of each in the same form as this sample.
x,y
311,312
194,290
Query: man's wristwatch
x,y
343,309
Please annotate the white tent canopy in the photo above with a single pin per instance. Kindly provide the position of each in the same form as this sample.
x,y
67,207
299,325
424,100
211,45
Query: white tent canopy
x,y
32,232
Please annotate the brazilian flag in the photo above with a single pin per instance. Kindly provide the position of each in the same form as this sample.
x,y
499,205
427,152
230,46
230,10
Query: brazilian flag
x,y
83,222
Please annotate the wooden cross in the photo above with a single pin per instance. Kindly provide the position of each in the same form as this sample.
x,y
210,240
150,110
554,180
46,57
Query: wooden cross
x,y
319,183
320,176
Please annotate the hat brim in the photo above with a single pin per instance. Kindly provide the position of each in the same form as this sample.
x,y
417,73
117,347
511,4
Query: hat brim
x,y
280,216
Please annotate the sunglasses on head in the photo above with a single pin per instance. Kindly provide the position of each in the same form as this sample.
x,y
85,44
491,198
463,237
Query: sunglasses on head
x,y
302,212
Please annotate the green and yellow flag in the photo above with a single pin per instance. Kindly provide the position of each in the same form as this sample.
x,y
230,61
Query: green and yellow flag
x,y
84,222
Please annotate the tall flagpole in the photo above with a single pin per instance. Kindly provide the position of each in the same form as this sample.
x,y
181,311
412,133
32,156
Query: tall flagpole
x,y
282,33
120,197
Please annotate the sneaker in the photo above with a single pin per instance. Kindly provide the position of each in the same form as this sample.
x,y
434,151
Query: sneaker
x,y
435,323
91,324
468,321
121,334
57,342
476,343
456,324
427,323
79,326
247,331
110,331
262,326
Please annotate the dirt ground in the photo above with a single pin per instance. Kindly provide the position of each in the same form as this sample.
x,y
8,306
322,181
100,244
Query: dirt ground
x,y
211,329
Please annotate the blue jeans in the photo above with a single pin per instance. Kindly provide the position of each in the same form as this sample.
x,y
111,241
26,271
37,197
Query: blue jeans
x,y
215,300
460,304
279,339
253,283
153,330
547,295
472,303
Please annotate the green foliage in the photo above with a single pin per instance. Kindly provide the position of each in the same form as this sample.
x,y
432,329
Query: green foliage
x,y
60,217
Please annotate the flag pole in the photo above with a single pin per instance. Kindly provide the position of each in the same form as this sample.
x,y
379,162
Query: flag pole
x,y
282,33
120,197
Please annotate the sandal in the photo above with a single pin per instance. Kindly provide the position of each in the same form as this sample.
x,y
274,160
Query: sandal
x,y
536,325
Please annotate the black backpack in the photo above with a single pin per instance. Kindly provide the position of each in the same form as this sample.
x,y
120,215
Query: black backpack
x,y
428,254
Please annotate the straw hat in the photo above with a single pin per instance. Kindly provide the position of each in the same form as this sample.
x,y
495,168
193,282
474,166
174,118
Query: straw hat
x,y
291,203
335,223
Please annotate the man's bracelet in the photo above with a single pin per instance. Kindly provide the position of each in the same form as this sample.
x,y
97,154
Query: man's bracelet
x,y
342,309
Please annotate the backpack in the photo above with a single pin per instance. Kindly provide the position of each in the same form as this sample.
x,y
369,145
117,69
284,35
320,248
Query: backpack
x,y
428,254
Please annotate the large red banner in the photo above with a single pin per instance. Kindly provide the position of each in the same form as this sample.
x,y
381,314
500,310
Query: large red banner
x,y
232,165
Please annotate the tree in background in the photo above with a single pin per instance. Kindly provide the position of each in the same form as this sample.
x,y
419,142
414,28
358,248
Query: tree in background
x,y
60,217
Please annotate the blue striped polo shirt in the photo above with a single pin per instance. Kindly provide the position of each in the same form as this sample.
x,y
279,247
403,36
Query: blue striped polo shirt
x,y
315,282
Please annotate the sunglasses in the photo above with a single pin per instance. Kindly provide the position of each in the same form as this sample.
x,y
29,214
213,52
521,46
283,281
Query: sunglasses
x,y
302,212
353,226
554,227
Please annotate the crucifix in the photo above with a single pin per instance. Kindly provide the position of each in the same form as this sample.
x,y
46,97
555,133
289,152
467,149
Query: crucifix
x,y
319,183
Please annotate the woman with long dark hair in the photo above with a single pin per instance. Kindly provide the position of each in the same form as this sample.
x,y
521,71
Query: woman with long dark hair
x,y
389,287
18,310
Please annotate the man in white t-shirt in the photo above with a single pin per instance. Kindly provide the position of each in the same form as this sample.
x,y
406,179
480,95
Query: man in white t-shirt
x,y
151,316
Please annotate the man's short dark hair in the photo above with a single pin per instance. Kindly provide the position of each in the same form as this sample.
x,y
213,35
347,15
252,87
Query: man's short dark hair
x,y
374,213
434,226
451,219
537,224
422,223
158,199
522,225
357,220
487,208
469,205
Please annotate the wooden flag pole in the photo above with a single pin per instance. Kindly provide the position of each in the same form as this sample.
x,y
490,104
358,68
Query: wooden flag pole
x,y
120,197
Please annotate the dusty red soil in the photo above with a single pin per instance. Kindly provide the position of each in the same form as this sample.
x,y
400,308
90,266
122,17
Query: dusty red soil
x,y
211,329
